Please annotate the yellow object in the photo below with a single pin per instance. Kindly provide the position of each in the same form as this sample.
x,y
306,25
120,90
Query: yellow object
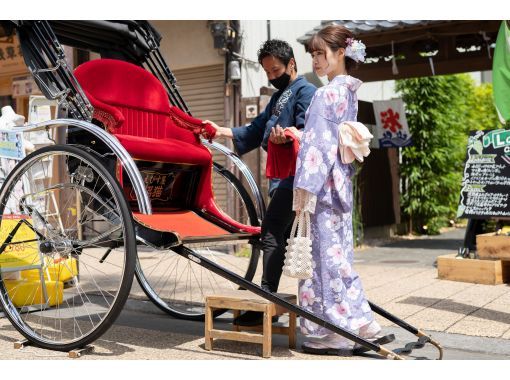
x,y
26,293
54,270
18,255
24,286
27,255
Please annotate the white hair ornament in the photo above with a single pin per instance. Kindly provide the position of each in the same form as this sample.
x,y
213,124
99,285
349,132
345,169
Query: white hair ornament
x,y
355,50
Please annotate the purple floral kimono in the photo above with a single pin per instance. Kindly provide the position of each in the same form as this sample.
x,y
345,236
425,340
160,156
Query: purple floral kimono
x,y
323,184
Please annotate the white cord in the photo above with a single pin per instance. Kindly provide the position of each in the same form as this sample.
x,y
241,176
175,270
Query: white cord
x,y
394,68
431,62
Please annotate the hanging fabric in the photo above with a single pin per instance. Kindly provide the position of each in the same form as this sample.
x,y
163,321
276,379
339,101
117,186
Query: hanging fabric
x,y
431,62
394,68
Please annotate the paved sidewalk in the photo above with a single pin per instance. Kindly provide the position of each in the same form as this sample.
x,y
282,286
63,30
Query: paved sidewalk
x,y
471,321
401,277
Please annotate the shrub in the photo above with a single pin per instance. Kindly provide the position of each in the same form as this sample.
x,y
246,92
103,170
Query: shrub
x,y
440,110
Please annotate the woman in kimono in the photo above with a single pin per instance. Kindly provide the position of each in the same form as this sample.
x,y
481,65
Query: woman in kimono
x,y
323,187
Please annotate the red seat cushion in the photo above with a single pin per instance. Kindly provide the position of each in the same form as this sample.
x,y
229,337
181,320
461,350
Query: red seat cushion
x,y
166,150
135,107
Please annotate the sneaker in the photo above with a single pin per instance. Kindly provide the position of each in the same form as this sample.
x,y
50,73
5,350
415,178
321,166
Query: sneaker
x,y
252,318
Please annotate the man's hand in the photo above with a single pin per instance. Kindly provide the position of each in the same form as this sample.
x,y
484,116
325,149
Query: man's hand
x,y
277,135
220,131
296,132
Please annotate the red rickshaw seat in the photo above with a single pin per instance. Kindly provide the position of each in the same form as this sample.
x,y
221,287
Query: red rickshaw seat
x,y
133,105
134,98
166,150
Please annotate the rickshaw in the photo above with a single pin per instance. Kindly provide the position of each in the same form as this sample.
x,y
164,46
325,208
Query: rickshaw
x,y
124,188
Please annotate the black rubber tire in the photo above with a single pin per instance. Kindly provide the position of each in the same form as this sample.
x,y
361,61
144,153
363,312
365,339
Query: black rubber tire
x,y
129,263
250,271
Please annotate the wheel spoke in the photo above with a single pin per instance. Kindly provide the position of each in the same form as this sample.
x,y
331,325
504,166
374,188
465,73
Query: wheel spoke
x,y
76,212
179,286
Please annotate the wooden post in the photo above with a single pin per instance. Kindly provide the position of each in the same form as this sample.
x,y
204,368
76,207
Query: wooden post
x,y
208,327
292,330
237,313
75,354
267,325
21,344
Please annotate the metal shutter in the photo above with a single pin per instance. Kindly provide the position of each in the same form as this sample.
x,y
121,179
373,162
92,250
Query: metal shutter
x,y
203,90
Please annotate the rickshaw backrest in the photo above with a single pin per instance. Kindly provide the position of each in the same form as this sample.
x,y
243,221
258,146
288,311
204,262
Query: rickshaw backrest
x,y
134,106
133,99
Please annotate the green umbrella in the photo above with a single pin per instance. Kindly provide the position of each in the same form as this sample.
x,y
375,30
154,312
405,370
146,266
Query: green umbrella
x,y
501,74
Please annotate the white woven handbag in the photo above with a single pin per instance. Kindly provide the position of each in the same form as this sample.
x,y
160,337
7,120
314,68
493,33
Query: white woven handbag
x,y
298,255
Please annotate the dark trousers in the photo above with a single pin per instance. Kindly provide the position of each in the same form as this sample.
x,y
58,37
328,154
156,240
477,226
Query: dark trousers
x,y
276,228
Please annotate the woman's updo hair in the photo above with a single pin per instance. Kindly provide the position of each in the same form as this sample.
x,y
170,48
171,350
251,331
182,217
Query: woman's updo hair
x,y
334,36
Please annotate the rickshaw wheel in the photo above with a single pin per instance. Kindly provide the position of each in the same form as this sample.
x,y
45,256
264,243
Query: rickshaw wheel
x,y
177,285
69,268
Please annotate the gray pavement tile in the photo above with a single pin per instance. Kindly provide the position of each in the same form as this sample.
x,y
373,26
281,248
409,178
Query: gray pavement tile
x,y
440,289
504,299
474,326
437,320
397,288
480,295
494,311
444,308
403,310
440,304
492,320
393,276
456,346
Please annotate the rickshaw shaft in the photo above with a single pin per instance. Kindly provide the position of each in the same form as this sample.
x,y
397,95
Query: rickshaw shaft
x,y
248,285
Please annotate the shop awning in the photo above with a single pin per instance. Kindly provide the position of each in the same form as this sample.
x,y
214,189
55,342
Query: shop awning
x,y
412,48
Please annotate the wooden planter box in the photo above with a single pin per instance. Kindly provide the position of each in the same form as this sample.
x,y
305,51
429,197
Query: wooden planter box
x,y
489,272
492,246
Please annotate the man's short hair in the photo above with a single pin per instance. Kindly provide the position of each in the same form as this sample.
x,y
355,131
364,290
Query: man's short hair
x,y
278,49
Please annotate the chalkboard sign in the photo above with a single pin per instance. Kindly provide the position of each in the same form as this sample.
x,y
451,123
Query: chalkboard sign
x,y
486,183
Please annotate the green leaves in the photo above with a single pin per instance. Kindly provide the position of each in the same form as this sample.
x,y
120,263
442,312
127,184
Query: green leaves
x,y
440,110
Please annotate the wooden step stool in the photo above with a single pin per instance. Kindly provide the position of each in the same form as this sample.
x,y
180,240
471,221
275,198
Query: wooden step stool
x,y
242,300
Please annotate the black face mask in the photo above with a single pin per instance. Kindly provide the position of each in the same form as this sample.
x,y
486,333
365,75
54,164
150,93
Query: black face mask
x,y
281,82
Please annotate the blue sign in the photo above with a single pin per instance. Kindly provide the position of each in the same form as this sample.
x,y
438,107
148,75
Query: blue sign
x,y
11,145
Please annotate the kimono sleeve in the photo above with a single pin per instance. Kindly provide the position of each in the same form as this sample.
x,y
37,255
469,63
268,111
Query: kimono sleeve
x,y
319,145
